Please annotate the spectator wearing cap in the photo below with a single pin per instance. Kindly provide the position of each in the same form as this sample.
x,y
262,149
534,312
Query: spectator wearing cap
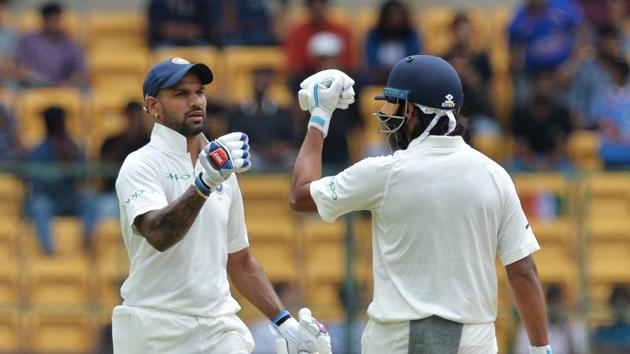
x,y
181,23
299,58
615,338
392,39
545,35
49,57
54,179
269,126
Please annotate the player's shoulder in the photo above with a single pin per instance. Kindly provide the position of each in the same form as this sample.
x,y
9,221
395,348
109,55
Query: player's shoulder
x,y
374,164
143,158
490,166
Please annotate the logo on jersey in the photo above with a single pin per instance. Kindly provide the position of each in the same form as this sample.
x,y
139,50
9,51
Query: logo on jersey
x,y
176,177
332,187
449,101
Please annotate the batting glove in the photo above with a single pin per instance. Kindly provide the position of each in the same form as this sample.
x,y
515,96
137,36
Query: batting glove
x,y
222,157
325,98
347,91
540,350
305,336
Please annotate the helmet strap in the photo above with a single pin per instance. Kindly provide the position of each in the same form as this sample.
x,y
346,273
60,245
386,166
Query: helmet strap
x,y
439,113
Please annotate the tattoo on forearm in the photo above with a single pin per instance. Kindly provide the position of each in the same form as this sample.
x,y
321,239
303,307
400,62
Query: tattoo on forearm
x,y
171,223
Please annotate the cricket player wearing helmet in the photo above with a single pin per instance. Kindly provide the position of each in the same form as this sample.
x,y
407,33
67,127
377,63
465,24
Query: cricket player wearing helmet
x,y
441,213
183,225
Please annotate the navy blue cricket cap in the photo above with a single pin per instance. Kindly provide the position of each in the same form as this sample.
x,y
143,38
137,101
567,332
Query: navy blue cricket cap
x,y
169,72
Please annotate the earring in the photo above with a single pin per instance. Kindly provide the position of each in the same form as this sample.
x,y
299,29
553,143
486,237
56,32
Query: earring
x,y
155,115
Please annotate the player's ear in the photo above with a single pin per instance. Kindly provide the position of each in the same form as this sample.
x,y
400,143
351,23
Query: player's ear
x,y
410,108
151,106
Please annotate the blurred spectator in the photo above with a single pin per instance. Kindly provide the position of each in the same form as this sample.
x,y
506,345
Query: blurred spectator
x,y
180,23
264,337
392,39
605,13
216,120
269,126
299,58
615,338
566,336
8,40
612,110
114,150
593,79
339,330
49,57
545,35
541,128
244,22
54,178
11,148
475,72
326,48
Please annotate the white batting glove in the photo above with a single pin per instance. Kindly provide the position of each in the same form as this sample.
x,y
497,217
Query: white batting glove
x,y
306,92
324,100
306,336
540,350
222,157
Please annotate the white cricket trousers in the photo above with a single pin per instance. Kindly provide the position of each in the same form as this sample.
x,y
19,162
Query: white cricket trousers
x,y
139,330
393,338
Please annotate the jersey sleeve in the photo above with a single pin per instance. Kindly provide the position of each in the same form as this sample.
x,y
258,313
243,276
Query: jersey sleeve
x,y
359,187
236,228
138,187
516,238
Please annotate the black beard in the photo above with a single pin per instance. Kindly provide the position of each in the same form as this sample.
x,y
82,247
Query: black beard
x,y
397,141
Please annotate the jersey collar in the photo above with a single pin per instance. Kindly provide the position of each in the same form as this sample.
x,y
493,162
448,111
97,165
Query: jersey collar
x,y
439,141
166,139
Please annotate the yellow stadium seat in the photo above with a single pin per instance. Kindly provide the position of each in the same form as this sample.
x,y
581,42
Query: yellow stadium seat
x,y
59,281
31,20
315,231
277,259
9,282
7,98
61,332
265,186
31,104
206,55
489,145
240,62
557,264
607,264
11,332
116,30
11,197
435,26
9,232
584,149
374,140
551,188
110,274
118,69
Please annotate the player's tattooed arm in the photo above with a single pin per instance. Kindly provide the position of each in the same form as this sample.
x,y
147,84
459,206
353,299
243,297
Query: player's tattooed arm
x,y
165,227
529,299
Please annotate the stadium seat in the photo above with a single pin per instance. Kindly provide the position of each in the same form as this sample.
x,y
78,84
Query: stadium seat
x,y
67,233
31,103
557,264
277,259
9,282
31,20
607,264
11,196
316,231
116,30
265,186
7,98
583,148
374,141
434,23
58,281
118,69
240,62
112,263
10,230
57,331
489,145
11,332
207,55
544,196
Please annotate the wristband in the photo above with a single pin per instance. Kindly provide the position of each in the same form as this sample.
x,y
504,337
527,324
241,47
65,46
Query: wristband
x,y
281,317
540,350
202,187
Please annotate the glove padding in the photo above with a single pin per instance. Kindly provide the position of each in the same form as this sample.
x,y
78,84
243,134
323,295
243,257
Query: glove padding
x,y
305,95
540,350
224,156
324,100
307,336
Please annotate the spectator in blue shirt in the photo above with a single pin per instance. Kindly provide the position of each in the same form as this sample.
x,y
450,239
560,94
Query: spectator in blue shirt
x,y
11,148
545,35
612,110
615,338
392,39
179,23
243,22
54,177
593,79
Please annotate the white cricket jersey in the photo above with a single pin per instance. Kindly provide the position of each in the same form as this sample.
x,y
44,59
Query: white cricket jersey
x,y
190,277
441,212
